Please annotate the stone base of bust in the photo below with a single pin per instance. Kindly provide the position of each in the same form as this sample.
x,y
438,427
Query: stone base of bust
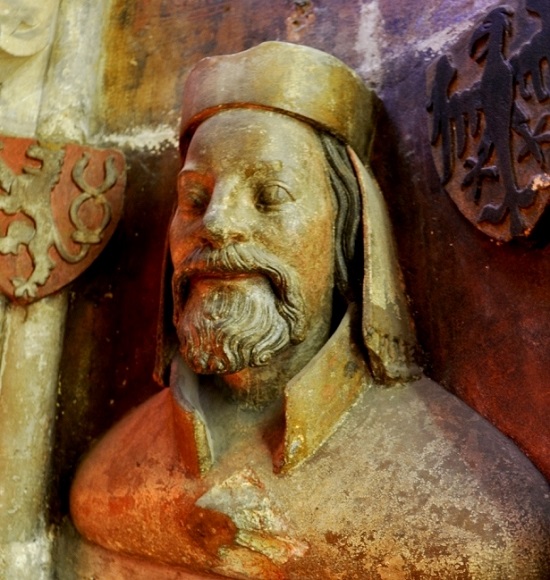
x,y
413,484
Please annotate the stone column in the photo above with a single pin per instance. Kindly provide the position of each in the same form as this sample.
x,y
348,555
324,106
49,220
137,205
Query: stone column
x,y
52,95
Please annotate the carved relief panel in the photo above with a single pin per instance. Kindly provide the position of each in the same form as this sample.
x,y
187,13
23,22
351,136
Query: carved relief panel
x,y
59,205
490,110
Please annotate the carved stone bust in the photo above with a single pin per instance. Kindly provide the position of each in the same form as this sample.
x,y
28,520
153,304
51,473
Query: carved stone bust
x,y
296,439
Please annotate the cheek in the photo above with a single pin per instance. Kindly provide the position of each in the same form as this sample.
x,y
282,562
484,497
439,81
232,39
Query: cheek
x,y
305,241
316,256
181,235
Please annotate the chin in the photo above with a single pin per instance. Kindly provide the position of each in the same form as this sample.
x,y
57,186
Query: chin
x,y
224,333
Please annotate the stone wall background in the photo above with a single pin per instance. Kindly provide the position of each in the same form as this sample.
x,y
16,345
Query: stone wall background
x,y
482,310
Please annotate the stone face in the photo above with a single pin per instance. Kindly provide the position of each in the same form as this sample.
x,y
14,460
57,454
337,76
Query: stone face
x,y
26,28
26,32
481,308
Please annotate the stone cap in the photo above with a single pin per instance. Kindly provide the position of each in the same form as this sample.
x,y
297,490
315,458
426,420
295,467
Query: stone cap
x,y
295,80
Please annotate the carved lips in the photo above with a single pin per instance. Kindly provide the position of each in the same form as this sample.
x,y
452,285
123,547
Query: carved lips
x,y
59,205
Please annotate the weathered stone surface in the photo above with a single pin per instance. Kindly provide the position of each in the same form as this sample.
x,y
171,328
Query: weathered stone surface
x,y
26,31
32,344
40,73
401,490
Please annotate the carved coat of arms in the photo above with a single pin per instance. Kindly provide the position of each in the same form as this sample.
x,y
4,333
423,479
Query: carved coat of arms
x,y
59,205
490,120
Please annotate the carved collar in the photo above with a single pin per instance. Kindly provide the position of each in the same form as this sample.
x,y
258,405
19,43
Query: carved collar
x,y
315,402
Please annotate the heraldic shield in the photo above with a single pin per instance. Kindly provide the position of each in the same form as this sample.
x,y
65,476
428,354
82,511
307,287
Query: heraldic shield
x,y
59,205
489,104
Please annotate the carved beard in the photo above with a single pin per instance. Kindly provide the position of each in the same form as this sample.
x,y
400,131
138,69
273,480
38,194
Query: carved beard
x,y
237,325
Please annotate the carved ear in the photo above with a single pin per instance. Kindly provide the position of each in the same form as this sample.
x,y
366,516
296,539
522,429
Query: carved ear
x,y
387,327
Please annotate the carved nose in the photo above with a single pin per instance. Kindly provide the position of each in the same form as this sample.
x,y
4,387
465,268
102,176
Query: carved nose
x,y
224,221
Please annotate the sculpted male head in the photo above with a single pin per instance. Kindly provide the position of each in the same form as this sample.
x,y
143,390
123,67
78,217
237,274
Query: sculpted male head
x,y
252,241
269,209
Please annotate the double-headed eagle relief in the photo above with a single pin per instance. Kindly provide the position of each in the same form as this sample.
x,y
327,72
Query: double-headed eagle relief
x,y
490,128
59,205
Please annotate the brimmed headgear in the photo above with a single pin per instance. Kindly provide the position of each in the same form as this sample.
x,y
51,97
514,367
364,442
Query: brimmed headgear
x,y
320,90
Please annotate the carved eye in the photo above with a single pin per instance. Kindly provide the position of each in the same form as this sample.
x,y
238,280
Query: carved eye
x,y
272,195
193,193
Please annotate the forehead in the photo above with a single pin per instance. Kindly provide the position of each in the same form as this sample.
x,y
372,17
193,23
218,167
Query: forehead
x,y
254,139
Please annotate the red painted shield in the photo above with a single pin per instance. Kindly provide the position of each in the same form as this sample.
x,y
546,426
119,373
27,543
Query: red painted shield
x,y
59,205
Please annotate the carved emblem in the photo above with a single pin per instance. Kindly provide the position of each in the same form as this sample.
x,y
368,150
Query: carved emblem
x,y
490,128
59,205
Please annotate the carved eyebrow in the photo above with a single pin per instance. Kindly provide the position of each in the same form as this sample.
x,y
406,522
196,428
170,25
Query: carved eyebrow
x,y
262,166
189,177
194,174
